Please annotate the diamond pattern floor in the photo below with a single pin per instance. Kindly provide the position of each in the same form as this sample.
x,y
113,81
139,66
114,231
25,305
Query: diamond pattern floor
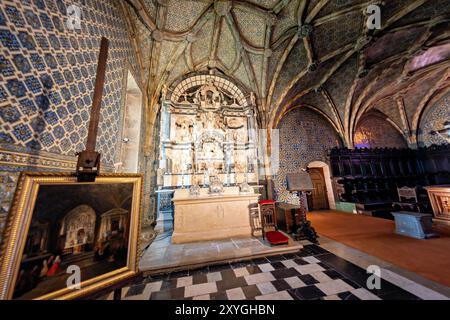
x,y
311,273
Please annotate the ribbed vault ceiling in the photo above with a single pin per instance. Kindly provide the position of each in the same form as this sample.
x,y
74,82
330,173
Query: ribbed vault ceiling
x,y
292,52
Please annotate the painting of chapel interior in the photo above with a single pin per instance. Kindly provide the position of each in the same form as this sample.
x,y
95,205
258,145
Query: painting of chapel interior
x,y
87,226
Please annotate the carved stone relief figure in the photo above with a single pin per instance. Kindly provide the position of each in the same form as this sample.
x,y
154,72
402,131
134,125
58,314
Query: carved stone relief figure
x,y
212,121
164,91
240,161
253,98
184,130
182,162
235,123
208,96
240,136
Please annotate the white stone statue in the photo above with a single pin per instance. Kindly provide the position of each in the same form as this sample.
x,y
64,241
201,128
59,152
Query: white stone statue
x,y
240,136
164,91
240,161
253,98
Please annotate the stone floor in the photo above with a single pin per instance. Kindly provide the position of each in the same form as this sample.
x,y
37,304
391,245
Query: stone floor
x,y
311,273
163,255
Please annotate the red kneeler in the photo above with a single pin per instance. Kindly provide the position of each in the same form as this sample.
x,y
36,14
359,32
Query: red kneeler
x,y
269,221
276,238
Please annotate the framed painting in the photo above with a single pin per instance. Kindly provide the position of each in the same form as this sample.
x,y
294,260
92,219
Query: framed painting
x,y
65,239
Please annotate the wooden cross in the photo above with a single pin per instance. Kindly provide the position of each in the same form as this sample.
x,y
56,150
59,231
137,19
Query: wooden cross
x,y
88,164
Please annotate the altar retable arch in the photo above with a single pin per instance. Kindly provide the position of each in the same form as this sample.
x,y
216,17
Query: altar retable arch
x,y
208,127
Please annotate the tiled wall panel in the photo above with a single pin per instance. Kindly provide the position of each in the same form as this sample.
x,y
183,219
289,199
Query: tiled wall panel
x,y
305,136
47,76
435,124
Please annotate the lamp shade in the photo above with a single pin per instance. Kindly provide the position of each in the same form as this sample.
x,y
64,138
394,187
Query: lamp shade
x,y
299,182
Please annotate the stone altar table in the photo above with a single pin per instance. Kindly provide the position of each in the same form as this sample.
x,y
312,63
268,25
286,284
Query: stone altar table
x,y
212,217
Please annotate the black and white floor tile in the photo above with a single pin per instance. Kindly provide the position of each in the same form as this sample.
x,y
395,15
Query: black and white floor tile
x,y
310,274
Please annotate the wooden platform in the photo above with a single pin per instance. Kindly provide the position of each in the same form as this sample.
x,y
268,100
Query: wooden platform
x,y
374,236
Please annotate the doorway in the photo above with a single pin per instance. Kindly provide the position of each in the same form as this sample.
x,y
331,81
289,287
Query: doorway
x,y
318,199
326,174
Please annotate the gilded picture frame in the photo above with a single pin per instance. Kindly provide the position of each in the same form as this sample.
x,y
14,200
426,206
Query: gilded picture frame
x,y
15,238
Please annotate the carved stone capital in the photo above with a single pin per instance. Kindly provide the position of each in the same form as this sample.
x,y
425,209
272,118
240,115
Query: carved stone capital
x,y
399,96
212,64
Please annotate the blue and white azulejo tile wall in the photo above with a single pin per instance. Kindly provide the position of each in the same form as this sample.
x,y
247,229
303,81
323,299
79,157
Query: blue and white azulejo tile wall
x,y
305,136
47,77
48,74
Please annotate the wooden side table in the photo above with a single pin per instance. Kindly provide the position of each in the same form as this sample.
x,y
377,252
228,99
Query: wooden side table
x,y
285,212
301,228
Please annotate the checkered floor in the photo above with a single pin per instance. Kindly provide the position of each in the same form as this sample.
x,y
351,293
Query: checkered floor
x,y
310,274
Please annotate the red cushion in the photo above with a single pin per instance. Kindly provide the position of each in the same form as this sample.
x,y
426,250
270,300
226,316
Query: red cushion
x,y
276,237
267,202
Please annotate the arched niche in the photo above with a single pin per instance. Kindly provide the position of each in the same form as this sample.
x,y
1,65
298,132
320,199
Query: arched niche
x,y
113,224
78,229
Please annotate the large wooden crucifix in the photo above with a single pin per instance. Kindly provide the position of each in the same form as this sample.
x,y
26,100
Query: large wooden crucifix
x,y
88,164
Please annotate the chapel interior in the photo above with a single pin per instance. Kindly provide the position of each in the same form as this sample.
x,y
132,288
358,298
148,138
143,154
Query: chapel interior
x,y
281,143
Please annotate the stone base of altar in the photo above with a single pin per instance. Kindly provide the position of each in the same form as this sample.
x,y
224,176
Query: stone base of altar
x,y
212,217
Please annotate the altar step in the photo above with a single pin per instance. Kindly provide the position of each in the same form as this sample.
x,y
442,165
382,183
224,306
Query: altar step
x,y
162,256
